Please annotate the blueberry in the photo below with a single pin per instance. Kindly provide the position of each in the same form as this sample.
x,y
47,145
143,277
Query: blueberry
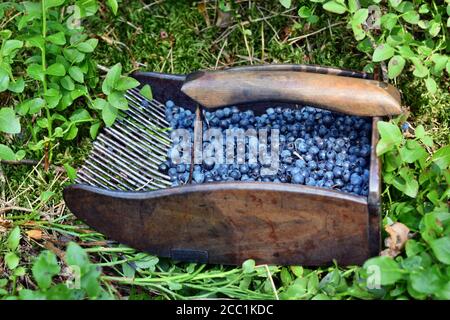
x,y
244,177
244,168
208,164
366,176
329,184
357,189
339,183
405,126
198,177
346,176
310,181
235,118
337,172
288,160
214,122
172,172
220,114
226,112
214,172
295,170
298,179
244,123
314,150
329,165
331,155
300,163
235,174
301,146
184,177
312,165
327,119
322,131
164,167
355,179
328,175
170,104
361,162
285,153
341,156
181,168
224,124
187,123
308,157
365,151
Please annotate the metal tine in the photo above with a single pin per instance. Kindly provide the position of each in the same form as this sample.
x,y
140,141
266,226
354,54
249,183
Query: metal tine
x,y
151,164
127,155
158,106
162,143
95,176
148,110
130,171
161,134
147,123
132,143
132,157
83,177
151,144
149,120
93,166
127,174
134,112
125,182
154,102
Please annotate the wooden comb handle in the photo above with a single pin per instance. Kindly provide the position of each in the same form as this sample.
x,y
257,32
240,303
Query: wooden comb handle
x,y
347,95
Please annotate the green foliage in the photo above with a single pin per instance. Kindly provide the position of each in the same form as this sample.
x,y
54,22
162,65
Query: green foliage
x,y
417,186
12,244
286,3
403,33
146,92
83,281
61,76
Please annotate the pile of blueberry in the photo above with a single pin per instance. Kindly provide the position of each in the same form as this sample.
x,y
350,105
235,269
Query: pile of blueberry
x,y
317,147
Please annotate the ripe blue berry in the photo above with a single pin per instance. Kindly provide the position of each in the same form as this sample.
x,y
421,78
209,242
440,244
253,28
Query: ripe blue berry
x,y
355,179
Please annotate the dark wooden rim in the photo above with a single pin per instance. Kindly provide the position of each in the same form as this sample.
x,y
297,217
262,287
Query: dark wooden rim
x,y
265,67
160,75
311,68
221,186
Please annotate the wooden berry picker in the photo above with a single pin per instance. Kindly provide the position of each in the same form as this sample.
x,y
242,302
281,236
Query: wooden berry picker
x,y
316,200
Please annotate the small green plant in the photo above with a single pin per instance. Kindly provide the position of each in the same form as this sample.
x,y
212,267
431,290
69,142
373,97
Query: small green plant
x,y
417,188
399,32
81,277
61,79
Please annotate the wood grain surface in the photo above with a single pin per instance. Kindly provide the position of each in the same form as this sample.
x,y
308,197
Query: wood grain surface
x,y
228,223
362,97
